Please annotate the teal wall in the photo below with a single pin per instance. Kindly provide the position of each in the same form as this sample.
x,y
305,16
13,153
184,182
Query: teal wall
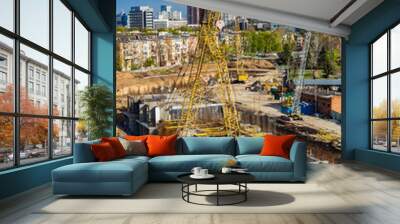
x,y
103,70
99,15
24,178
355,136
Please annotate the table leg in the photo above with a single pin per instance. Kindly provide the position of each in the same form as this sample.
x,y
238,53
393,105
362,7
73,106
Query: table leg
x,y
196,187
217,194
188,190
245,193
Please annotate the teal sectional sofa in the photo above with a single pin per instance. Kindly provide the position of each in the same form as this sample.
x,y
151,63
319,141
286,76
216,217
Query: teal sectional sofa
x,y
125,176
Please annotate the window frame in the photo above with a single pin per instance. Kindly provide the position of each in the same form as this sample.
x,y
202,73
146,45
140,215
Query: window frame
x,y
388,74
16,114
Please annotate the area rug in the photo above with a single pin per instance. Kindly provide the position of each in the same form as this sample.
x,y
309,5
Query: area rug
x,y
166,198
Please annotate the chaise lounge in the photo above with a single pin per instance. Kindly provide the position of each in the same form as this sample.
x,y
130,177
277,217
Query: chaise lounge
x,y
125,176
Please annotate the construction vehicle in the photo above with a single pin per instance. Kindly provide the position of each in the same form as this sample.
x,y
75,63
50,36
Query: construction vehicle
x,y
290,105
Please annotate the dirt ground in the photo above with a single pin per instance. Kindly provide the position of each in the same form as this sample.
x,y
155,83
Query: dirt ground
x,y
163,80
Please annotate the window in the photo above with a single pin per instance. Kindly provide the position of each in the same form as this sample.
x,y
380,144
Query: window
x,y
6,142
3,78
81,82
62,137
62,29
81,45
30,72
30,88
43,113
61,73
7,14
35,21
6,74
44,91
385,95
37,89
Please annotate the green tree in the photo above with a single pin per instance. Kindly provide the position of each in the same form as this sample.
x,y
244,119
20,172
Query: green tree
x,y
97,103
328,60
149,62
121,29
287,50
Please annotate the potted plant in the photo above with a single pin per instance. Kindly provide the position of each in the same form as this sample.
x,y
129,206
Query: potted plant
x,y
96,102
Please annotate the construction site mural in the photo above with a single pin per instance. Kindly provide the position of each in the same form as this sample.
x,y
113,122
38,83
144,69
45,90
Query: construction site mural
x,y
197,72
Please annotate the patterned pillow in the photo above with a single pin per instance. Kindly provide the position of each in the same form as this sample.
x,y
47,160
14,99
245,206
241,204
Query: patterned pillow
x,y
135,147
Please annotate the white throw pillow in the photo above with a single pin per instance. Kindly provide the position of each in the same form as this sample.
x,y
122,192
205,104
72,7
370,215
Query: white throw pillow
x,y
136,147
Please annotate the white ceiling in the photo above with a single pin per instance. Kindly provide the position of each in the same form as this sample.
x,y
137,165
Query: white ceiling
x,y
315,15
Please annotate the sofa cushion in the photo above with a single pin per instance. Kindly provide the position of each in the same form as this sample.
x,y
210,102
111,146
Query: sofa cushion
x,y
116,145
249,145
206,145
257,163
112,171
161,145
103,152
134,147
185,163
275,145
83,153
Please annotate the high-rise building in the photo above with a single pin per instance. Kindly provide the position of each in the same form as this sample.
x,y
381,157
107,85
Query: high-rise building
x,y
166,8
176,15
141,17
195,15
122,19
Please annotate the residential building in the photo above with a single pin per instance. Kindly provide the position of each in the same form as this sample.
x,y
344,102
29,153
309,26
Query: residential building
x,y
165,50
161,23
176,15
195,15
166,8
141,17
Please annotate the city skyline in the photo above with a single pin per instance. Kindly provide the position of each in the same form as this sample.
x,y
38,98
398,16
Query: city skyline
x,y
125,5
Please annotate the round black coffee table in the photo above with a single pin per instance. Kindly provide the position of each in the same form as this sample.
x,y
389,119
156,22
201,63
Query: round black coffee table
x,y
238,179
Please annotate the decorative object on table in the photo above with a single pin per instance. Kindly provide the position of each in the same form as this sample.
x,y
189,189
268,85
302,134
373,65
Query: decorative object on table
x,y
200,173
231,163
226,170
239,195
230,170
97,103
196,170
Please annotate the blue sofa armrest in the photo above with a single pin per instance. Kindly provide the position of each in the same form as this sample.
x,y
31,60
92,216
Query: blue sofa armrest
x,y
83,152
298,155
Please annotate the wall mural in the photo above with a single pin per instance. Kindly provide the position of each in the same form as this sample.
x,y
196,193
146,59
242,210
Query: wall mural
x,y
196,72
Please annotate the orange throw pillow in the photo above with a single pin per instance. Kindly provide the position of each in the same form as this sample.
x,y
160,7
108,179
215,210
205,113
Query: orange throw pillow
x,y
136,138
161,145
103,152
277,145
116,145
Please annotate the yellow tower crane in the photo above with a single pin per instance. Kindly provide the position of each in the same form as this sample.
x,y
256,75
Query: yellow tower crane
x,y
208,49
241,75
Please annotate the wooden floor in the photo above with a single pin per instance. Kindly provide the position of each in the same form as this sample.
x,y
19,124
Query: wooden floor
x,y
379,189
